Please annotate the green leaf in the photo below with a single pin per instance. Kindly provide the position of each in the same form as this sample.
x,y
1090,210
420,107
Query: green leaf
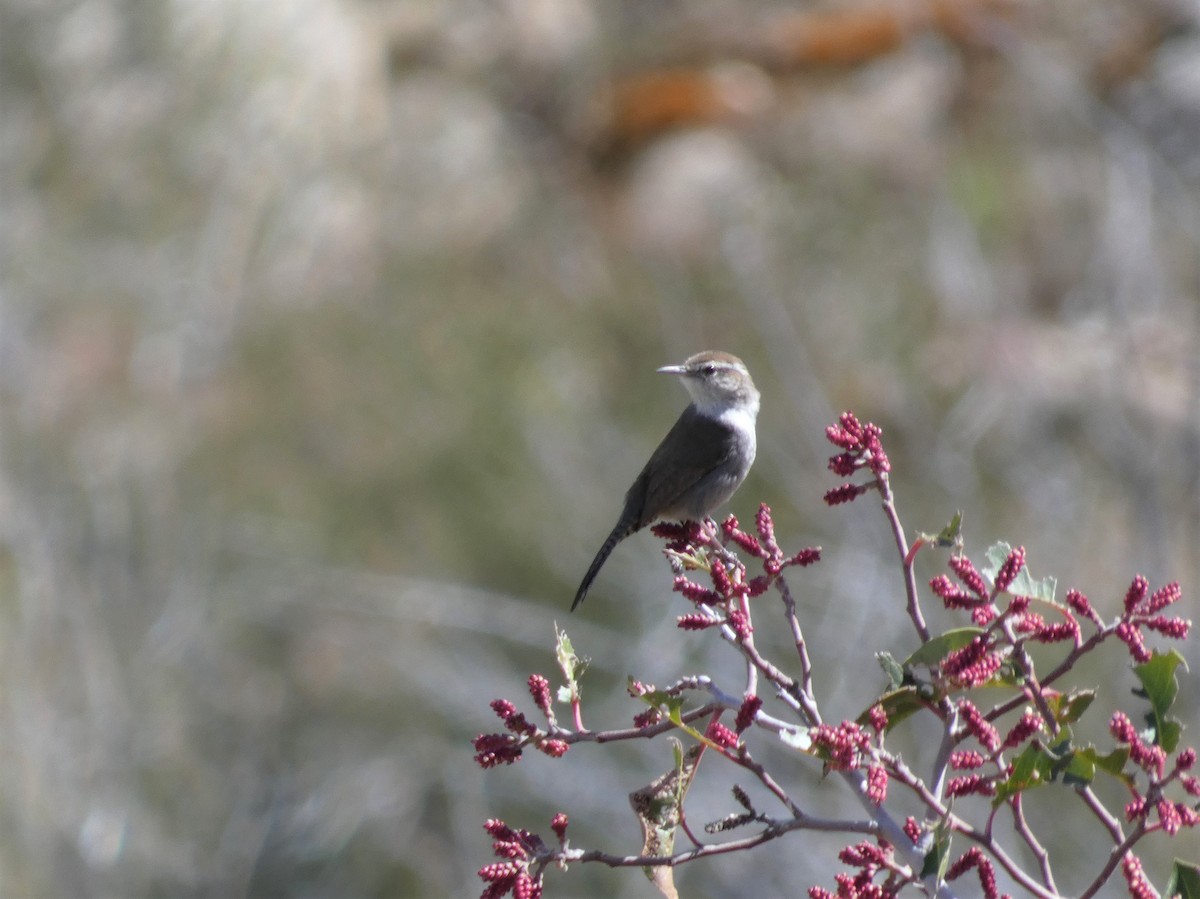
x,y
1079,767
1184,881
1069,707
572,665
951,534
892,668
1030,769
1113,762
939,647
937,859
1079,771
1161,687
897,704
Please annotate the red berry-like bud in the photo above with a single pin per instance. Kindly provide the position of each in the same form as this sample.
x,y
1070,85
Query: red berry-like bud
x,y
978,726
695,592
912,829
554,748
878,717
844,494
498,871
1030,723
499,830
805,557
1135,878
526,887
1136,593
877,784
539,689
559,825
966,759
504,708
968,574
1175,628
1081,605
721,735
1010,569
696,621
1163,597
745,716
1132,638
968,784
740,622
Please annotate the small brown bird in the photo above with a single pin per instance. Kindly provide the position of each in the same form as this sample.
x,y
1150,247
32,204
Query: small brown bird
x,y
703,459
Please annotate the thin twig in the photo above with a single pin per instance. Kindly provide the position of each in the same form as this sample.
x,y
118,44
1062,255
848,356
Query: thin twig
x,y
1026,833
906,564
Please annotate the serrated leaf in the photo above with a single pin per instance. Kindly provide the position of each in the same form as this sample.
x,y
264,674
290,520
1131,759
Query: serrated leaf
x,y
1070,707
939,647
797,738
1160,687
937,859
897,704
892,668
1184,881
572,665
996,556
1029,769
1111,763
951,534
1079,771
1025,585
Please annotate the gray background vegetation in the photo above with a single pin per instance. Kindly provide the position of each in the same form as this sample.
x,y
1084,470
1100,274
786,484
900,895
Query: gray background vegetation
x,y
327,347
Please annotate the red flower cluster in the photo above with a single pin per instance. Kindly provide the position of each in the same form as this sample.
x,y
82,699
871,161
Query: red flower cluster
x,y
504,749
745,716
721,735
518,848
1135,878
972,665
1153,760
842,746
1141,611
1150,759
871,859
861,448
970,784
731,583
1031,722
974,858
978,726
877,784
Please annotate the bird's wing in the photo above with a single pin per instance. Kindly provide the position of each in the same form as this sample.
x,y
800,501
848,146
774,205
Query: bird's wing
x,y
709,446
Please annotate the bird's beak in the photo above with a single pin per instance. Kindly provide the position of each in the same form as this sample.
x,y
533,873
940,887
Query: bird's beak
x,y
673,370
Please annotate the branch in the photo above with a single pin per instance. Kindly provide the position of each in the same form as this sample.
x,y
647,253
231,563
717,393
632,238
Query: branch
x,y
906,564
773,831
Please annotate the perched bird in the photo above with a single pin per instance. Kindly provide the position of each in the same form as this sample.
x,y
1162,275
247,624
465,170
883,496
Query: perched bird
x,y
703,459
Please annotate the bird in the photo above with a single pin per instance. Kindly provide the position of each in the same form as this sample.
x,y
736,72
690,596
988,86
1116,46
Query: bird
x,y
703,459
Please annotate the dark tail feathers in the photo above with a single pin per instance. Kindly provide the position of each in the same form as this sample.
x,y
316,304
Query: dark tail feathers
x,y
619,533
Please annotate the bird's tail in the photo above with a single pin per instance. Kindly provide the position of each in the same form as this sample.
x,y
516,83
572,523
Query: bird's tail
x,y
623,529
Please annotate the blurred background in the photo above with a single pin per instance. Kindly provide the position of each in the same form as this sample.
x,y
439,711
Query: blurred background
x,y
328,332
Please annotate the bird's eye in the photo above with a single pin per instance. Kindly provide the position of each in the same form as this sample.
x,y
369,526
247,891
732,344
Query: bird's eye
x,y
710,369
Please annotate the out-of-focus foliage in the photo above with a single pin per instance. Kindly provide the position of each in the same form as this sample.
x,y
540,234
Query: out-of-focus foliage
x,y
327,337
